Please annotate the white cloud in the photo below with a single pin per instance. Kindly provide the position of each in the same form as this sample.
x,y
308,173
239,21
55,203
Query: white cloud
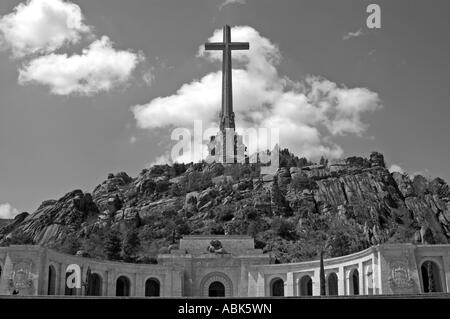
x,y
308,113
7,211
396,168
160,160
41,26
133,140
228,2
354,34
100,67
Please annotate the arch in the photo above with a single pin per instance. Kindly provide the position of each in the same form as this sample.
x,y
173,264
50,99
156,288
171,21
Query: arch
x,y
354,282
152,287
94,285
123,286
51,288
431,277
305,286
216,289
219,277
332,284
277,287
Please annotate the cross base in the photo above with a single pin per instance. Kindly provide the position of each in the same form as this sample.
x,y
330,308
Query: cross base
x,y
227,147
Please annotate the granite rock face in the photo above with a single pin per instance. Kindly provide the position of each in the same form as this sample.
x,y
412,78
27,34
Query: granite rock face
x,y
53,219
163,202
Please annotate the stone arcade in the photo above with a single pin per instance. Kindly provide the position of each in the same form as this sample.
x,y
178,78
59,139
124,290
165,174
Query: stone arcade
x,y
234,270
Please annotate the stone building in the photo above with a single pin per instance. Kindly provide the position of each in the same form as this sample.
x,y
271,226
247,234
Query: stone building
x,y
229,266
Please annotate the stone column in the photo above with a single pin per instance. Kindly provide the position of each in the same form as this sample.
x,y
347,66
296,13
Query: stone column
x,y
81,291
111,282
374,275
105,283
177,283
348,289
140,285
134,283
62,278
380,276
252,284
243,281
446,260
261,285
361,278
289,286
316,282
341,282
167,284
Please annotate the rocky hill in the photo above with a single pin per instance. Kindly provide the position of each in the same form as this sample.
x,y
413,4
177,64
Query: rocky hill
x,y
339,207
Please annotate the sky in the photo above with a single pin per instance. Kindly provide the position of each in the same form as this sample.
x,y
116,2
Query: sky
x,y
90,87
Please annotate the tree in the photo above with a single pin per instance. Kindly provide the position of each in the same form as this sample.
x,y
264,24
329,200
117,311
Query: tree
x,y
283,228
322,160
322,276
113,245
131,244
70,245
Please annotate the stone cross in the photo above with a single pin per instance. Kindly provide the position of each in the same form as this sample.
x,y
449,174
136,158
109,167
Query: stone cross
x,y
227,114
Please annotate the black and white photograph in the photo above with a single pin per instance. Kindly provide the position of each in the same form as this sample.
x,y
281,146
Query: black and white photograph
x,y
190,153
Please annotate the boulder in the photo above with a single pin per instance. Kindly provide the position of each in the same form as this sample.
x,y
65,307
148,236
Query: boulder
x,y
439,187
377,160
420,185
206,196
405,185
284,178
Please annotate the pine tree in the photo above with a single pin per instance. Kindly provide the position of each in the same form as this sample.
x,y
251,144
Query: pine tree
x,y
322,276
113,245
131,245
322,160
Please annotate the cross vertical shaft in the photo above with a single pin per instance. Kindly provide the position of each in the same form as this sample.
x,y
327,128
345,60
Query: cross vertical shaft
x,y
227,120
227,113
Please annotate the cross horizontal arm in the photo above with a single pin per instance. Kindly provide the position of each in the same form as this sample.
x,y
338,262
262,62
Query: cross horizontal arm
x,y
214,46
239,46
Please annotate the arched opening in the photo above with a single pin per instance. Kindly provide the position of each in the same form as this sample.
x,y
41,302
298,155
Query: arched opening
x,y
207,286
51,289
354,282
216,289
332,284
306,286
94,285
69,291
431,279
122,286
277,287
152,288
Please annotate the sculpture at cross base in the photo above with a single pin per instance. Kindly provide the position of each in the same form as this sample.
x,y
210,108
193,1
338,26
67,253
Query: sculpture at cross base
x,y
227,146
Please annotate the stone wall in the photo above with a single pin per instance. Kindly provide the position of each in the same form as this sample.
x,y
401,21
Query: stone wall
x,y
383,269
39,259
